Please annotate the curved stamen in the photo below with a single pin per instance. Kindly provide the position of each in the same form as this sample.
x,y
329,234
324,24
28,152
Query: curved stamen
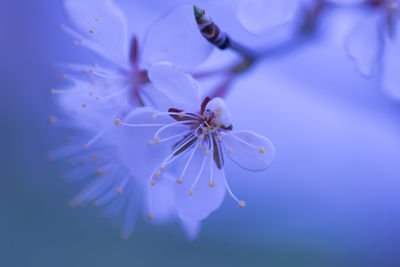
x,y
119,93
184,114
95,138
172,137
118,122
174,152
240,202
240,140
188,161
203,163
211,182
166,126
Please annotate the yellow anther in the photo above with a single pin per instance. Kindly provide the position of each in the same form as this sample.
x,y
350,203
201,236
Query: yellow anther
x,y
206,153
117,122
99,172
149,142
211,184
94,156
96,19
209,127
219,138
52,91
157,139
119,191
162,169
191,192
154,117
91,31
84,105
91,70
153,182
394,6
261,149
150,215
242,204
201,147
74,42
230,150
181,115
157,175
85,145
205,129
179,181
205,116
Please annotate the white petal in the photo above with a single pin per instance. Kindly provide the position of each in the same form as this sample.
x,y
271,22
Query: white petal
x,y
179,86
176,38
161,199
205,199
140,158
103,23
218,104
391,60
259,16
364,43
249,150
346,2
191,228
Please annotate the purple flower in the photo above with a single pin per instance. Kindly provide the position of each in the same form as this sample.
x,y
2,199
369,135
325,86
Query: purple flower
x,y
192,135
380,30
96,94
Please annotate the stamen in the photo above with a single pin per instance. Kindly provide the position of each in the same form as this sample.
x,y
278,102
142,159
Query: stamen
x,y
203,163
95,138
187,163
240,202
173,136
153,182
167,126
119,93
119,122
211,182
261,149
157,175
230,150
150,216
169,113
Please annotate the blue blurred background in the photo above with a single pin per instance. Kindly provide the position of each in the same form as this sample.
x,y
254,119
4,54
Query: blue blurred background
x,y
331,198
